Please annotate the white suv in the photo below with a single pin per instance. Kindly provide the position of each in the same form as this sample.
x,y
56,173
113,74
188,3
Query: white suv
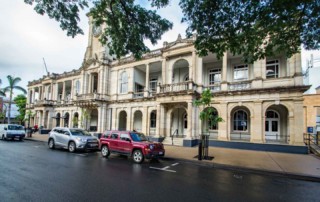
x,y
72,139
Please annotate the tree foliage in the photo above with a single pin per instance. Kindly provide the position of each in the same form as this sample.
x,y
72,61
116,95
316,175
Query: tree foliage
x,y
207,114
256,29
21,101
13,81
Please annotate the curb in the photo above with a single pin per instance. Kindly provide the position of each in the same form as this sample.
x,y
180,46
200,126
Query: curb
x,y
34,140
250,170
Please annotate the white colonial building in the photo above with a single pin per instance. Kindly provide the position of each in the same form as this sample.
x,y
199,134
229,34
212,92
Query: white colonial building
x,y
259,103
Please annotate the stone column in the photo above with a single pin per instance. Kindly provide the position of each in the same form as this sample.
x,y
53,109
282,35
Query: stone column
x,y
158,122
164,71
192,66
129,119
190,123
224,85
63,90
114,124
199,72
99,118
256,129
103,118
297,123
223,127
70,119
146,93
145,121
162,121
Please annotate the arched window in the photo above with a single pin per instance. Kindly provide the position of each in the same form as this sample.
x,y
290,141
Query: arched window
x,y
153,119
272,114
124,83
240,120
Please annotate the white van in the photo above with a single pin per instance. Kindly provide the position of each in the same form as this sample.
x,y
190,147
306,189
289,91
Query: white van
x,y
12,131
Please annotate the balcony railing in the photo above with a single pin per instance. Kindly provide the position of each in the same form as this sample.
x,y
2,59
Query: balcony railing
x,y
176,87
91,96
240,85
214,88
43,102
138,95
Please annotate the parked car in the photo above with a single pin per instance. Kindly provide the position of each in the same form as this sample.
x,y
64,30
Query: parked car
x,y
12,131
72,139
130,143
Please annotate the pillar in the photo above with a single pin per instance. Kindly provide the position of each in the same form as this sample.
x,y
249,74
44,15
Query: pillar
x,y
190,118
158,134
223,126
145,121
146,93
256,124
224,85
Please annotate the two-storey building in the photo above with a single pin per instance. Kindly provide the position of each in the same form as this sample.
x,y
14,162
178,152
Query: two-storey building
x,y
259,103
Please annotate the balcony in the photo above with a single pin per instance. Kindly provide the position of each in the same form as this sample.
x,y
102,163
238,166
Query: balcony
x,y
242,85
177,87
91,96
137,95
214,88
43,103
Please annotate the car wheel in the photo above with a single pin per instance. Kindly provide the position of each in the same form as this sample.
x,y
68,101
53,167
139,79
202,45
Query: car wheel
x,y
105,151
137,156
72,147
51,144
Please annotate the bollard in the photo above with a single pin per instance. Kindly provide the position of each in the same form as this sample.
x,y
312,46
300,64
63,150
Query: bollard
x,y
200,151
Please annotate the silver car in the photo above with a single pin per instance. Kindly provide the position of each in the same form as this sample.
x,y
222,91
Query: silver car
x,y
72,139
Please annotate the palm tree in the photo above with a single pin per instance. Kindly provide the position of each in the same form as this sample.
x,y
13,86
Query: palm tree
x,y
12,86
1,90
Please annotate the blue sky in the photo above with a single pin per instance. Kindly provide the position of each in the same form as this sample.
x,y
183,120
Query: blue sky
x,y
27,37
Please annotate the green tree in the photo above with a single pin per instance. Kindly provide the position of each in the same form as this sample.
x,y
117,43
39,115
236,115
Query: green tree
x,y
207,115
21,102
12,86
256,28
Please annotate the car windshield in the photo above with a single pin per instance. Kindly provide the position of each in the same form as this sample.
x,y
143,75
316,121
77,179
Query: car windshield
x,y
138,137
79,132
15,127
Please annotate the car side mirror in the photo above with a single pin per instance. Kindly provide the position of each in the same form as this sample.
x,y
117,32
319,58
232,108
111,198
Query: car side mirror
x,y
66,133
128,140
5,129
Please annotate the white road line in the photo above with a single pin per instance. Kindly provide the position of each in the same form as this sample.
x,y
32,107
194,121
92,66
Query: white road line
x,y
173,171
165,167
175,164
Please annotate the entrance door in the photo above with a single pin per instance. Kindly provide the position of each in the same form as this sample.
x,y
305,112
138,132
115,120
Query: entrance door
x,y
272,131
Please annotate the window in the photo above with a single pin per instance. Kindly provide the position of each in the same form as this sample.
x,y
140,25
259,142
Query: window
x,y
124,137
153,85
153,119
77,87
272,69
240,121
114,136
241,72
124,83
214,76
271,114
139,88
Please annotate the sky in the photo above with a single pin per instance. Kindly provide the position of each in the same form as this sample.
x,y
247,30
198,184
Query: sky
x,y
26,38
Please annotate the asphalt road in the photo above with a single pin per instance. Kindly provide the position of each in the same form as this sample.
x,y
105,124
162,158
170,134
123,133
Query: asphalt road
x,y
29,171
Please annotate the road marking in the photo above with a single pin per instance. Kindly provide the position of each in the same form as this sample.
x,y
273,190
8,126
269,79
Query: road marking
x,y
175,164
164,169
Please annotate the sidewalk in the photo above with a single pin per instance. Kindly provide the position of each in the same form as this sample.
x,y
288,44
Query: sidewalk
x,y
292,165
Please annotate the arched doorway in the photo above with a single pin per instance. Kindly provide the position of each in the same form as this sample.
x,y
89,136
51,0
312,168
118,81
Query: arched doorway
x,y
180,75
276,124
58,116
240,124
122,120
66,119
75,120
93,120
179,122
137,121
153,122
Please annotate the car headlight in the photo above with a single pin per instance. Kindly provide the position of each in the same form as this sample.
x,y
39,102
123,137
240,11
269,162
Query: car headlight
x,y
151,146
81,139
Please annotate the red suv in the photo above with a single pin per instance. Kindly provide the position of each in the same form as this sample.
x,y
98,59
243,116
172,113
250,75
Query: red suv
x,y
130,143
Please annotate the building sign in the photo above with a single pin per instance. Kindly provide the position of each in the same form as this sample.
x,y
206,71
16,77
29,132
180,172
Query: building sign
x,y
310,129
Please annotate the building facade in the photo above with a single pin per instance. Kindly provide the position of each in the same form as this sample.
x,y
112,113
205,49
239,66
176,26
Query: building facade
x,y
311,106
259,103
